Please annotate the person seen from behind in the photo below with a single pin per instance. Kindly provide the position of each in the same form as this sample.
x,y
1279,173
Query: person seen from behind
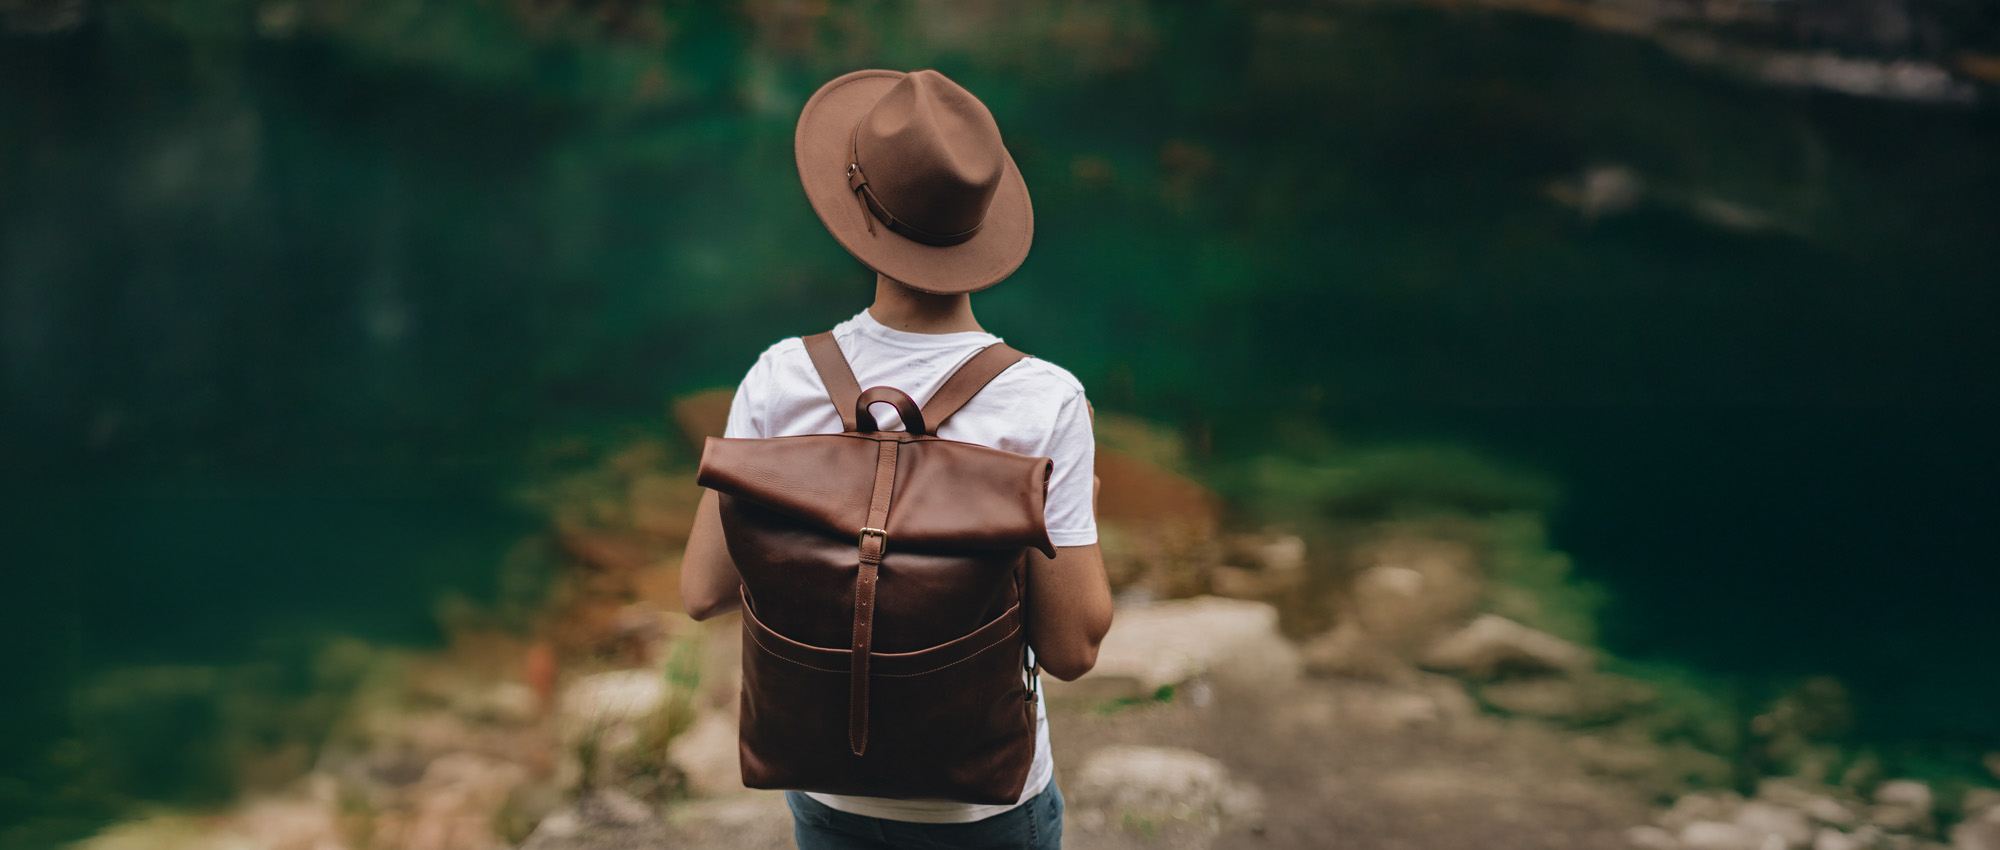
x,y
909,173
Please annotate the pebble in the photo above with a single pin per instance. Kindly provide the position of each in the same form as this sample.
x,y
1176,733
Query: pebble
x,y
1903,805
1699,807
1651,838
1715,835
1491,645
1978,802
1764,820
1831,812
1980,833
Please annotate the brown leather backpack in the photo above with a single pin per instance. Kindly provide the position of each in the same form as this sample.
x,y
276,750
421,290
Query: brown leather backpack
x,y
884,574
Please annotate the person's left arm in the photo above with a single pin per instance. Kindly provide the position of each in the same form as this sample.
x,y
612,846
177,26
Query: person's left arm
x,y
710,585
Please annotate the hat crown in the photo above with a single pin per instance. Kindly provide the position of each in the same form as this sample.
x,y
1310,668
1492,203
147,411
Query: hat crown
x,y
932,154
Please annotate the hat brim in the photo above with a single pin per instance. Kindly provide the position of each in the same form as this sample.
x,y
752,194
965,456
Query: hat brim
x,y
823,144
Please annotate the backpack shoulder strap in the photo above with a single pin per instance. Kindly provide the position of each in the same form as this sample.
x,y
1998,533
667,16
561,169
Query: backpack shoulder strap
x,y
968,381
841,387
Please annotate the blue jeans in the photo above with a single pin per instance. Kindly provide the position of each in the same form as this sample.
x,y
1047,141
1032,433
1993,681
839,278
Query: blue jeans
x,y
1033,825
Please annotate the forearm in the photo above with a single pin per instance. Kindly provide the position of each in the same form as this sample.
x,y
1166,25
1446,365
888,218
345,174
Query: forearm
x,y
710,585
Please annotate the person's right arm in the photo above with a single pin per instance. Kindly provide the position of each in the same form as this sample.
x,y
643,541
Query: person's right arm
x,y
1069,606
1069,609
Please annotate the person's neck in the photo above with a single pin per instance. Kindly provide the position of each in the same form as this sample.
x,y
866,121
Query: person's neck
x,y
899,307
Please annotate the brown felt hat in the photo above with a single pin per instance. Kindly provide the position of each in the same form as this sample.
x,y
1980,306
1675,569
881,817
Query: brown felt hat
x,y
908,172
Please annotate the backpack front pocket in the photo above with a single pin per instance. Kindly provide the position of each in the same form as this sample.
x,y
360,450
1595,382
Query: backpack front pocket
x,y
952,721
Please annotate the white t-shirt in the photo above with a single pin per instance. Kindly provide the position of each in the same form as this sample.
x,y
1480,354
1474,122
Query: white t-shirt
x,y
1034,408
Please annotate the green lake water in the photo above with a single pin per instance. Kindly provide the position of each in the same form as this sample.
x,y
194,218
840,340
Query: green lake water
x,y
284,314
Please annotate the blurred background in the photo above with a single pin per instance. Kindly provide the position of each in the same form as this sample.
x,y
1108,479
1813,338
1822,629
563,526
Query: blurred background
x,y
339,338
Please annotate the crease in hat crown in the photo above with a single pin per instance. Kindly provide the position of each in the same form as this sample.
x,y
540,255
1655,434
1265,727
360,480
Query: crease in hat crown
x,y
930,154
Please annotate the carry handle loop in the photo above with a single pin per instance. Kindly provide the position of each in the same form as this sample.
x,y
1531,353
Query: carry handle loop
x,y
906,407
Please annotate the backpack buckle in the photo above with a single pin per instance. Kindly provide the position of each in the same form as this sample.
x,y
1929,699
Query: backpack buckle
x,y
862,539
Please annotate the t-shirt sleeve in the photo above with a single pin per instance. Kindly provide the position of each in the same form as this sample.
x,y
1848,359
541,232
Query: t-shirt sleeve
x,y
745,418
1074,449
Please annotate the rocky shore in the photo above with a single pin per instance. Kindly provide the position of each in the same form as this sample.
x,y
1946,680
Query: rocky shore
x,y
1415,683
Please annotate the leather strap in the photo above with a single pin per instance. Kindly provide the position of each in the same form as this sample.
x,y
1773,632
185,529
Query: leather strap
x,y
968,381
874,544
906,407
841,387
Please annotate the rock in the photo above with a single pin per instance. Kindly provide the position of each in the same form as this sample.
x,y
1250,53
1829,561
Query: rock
x,y
1904,805
1833,839
1811,799
1239,583
1276,565
620,807
1548,699
1600,190
1870,836
1282,554
1170,643
1690,808
1764,821
1423,702
1624,756
605,819
1897,79
1865,771
527,807
1978,802
1715,835
597,702
1794,735
454,806
1492,646
1591,699
1413,591
604,718
707,755
1831,812
1981,833
1127,783
306,820
1346,650
1908,793
1992,762
1651,838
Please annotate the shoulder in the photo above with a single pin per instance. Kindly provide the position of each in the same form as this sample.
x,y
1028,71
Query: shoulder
x,y
1027,409
784,357
1051,387
785,349
1033,374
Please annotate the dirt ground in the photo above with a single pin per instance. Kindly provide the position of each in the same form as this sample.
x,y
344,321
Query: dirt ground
x,y
1340,763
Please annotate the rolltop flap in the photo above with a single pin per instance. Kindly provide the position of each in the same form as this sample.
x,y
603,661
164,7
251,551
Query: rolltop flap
x,y
947,495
